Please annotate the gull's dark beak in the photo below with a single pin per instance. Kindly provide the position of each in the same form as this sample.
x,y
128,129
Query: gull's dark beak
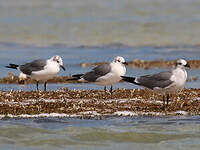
x,y
62,67
187,65
125,63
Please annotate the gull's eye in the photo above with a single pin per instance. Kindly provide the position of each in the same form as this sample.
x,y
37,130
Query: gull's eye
x,y
179,63
57,61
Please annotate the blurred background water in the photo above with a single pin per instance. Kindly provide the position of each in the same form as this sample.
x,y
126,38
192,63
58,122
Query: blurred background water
x,y
94,31
100,22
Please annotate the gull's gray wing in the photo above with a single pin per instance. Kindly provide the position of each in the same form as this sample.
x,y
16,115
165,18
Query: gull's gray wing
x,y
160,80
97,72
35,65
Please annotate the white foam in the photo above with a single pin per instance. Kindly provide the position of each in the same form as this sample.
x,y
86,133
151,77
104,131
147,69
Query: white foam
x,y
151,113
180,112
31,101
125,113
38,115
93,113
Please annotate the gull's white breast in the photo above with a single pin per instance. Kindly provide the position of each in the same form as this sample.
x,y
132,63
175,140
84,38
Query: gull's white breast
x,y
117,70
50,71
178,78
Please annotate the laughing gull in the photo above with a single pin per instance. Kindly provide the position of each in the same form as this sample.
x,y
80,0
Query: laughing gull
x,y
105,74
40,69
163,82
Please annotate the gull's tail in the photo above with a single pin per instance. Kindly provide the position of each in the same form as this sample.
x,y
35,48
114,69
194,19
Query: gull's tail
x,y
76,77
129,79
13,66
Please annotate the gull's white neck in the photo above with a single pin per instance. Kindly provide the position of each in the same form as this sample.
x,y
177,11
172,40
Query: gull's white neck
x,y
118,68
180,76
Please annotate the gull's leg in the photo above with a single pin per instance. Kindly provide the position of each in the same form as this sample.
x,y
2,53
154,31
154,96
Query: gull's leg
x,y
167,99
105,92
37,84
111,91
45,86
163,98
105,88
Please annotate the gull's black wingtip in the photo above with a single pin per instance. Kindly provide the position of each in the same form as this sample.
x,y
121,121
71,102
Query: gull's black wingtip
x,y
75,77
128,79
13,66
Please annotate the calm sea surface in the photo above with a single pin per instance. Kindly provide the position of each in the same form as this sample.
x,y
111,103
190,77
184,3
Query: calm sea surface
x,y
94,31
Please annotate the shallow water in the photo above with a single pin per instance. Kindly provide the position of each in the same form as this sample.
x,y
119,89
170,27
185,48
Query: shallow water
x,y
161,133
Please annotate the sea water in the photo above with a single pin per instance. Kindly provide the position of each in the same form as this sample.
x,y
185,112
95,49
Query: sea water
x,y
161,133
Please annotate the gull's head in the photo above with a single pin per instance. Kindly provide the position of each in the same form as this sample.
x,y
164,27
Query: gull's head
x,y
58,60
181,63
119,59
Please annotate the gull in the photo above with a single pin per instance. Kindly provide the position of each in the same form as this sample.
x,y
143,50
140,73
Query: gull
x,y
105,74
40,69
164,82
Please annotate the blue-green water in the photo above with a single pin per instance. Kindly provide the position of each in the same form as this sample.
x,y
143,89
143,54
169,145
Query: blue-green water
x,y
161,133
95,31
